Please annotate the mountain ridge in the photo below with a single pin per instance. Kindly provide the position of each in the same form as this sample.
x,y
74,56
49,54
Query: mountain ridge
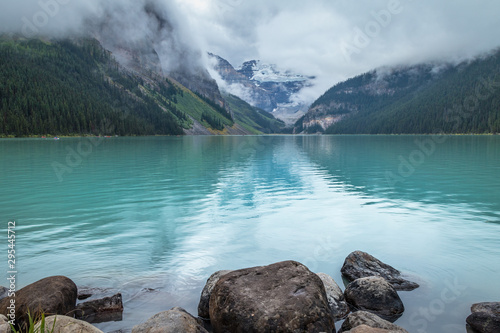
x,y
264,86
420,99
77,87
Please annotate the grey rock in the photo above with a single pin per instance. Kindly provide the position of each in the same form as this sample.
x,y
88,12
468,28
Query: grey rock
x,y
64,324
335,296
4,325
368,329
376,295
176,320
488,307
282,297
204,305
83,296
87,292
360,318
485,318
101,310
52,295
4,292
360,264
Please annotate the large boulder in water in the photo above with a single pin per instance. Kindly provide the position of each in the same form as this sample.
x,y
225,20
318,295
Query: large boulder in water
x,y
336,300
363,318
204,305
376,295
485,317
488,307
101,310
52,295
360,264
282,297
175,320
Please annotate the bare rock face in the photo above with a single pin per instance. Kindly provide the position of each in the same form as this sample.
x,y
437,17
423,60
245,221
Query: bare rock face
x,y
376,295
175,320
203,306
283,297
335,296
101,310
64,324
52,295
363,318
485,318
360,264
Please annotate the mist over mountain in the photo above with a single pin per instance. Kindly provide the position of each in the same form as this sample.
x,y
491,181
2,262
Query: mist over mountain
x,y
420,99
263,86
149,34
326,42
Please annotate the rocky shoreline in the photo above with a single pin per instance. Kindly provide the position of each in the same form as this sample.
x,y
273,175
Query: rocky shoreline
x,y
281,297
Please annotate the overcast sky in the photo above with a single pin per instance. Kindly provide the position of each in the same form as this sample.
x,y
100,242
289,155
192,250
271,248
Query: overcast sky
x,y
330,39
337,39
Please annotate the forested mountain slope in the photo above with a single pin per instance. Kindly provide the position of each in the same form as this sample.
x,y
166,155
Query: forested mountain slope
x,y
76,87
428,98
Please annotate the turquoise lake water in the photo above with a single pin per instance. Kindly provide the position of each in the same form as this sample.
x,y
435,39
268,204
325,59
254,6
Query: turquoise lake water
x,y
153,217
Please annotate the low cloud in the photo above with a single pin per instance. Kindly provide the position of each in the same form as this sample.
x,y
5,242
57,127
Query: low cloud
x,y
153,28
329,39
311,37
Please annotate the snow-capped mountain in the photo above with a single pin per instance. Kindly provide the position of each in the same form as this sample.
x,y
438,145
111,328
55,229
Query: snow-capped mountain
x,y
264,86
255,70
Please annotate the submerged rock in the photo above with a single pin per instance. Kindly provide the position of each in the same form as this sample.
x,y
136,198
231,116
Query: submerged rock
x,y
204,305
335,296
360,318
485,318
374,294
175,320
64,324
87,292
360,264
283,297
52,295
101,310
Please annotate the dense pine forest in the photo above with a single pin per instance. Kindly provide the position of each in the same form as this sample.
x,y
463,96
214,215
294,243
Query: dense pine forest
x,y
416,100
253,119
63,88
76,87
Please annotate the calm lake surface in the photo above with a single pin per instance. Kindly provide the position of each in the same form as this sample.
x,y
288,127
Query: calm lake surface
x,y
154,217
